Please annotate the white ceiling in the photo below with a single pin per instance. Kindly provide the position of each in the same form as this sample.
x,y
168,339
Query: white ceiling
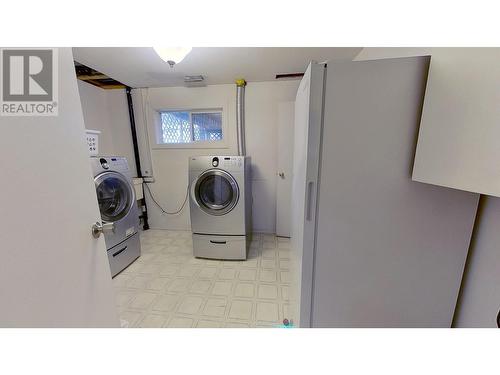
x,y
141,66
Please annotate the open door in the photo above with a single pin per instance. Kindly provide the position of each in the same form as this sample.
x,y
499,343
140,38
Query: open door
x,y
53,272
306,157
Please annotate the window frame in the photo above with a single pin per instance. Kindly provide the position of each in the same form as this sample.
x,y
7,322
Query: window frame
x,y
158,132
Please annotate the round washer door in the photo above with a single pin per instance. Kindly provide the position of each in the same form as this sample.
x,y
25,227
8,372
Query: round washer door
x,y
114,195
216,192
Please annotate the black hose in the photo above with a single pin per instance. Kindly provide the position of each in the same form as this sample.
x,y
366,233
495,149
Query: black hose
x,y
161,208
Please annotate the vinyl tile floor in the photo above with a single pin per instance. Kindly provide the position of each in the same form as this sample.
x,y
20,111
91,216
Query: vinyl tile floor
x,y
168,287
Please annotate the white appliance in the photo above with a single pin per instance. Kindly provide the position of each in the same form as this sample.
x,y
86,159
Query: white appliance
x,y
372,248
119,212
220,206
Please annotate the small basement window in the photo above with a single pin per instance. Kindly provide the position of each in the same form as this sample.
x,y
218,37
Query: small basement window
x,y
180,127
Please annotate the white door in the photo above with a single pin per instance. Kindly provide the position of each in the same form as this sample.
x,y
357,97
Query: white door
x,y
308,112
286,114
53,273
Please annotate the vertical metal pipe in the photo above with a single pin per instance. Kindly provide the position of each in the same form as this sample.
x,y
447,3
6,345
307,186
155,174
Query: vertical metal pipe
x,y
144,209
240,115
134,131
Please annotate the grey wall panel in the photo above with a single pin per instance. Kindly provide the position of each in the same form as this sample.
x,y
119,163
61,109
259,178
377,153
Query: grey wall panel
x,y
480,296
390,251
459,132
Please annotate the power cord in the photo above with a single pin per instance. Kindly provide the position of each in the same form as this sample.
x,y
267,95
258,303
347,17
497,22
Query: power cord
x,y
161,208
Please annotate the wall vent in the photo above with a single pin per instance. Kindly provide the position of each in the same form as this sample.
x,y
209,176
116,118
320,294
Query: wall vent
x,y
289,76
194,81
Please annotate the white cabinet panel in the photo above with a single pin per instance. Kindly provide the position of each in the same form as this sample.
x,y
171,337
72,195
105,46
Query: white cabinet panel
x,y
459,138
389,251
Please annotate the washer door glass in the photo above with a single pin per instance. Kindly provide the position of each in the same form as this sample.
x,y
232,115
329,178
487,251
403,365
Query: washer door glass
x,y
114,196
216,192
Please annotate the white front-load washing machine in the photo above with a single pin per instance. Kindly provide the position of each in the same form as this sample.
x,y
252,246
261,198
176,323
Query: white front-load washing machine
x,y
117,203
220,206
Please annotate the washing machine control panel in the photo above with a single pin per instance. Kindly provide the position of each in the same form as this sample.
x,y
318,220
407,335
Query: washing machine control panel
x,y
116,163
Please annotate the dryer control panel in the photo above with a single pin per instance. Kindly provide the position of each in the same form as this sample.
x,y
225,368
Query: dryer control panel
x,y
229,163
232,161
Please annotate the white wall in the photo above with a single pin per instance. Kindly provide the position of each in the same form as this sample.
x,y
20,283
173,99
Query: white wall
x,y
480,295
107,111
170,166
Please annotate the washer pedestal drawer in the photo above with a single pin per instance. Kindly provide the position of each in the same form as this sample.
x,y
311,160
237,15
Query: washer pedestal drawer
x,y
220,247
123,254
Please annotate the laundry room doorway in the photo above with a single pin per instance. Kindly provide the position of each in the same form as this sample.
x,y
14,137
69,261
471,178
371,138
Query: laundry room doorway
x,y
286,118
54,270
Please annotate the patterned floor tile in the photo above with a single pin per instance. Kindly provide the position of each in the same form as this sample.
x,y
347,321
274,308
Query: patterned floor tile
x,y
268,276
166,303
215,307
240,310
168,287
267,311
247,275
227,274
190,305
201,287
142,301
268,263
179,285
180,322
267,291
158,283
245,290
207,273
153,321
222,288
208,324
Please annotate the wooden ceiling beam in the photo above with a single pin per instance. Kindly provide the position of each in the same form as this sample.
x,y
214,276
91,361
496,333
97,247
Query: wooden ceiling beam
x,y
96,78
92,77
113,87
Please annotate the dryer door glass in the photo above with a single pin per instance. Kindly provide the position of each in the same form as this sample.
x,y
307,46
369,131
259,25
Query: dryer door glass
x,y
114,197
216,192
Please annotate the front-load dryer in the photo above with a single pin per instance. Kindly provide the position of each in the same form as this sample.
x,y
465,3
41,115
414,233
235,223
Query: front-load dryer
x,y
220,206
117,204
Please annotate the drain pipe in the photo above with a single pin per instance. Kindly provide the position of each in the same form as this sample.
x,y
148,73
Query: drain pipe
x,y
142,202
240,115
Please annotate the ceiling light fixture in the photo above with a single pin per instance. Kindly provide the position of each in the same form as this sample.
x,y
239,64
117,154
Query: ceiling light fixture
x,y
172,55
